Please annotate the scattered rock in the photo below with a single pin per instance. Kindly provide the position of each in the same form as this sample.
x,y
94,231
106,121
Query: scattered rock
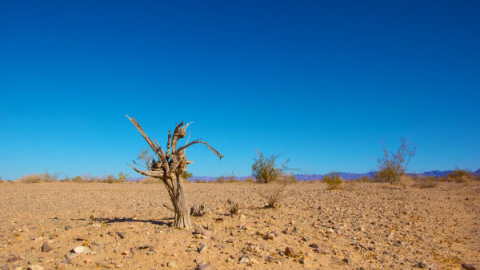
x,y
202,248
322,251
14,259
289,252
46,247
171,264
313,245
219,245
35,267
330,230
68,227
244,259
121,234
82,249
420,265
467,266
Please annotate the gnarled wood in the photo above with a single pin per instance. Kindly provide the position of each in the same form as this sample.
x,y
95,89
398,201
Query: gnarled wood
x,y
170,167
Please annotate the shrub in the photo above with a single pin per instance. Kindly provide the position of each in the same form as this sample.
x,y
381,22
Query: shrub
x,y
425,182
460,176
29,179
264,170
393,165
334,181
274,193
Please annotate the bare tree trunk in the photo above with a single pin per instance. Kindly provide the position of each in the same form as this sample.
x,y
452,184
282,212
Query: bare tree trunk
x,y
180,204
169,168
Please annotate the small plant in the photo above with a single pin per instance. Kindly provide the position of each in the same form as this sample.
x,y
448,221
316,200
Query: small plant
x,y
393,165
425,182
234,208
460,176
198,210
122,176
333,181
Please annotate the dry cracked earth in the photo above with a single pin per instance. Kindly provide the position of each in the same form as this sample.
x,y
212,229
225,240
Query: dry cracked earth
x,y
125,226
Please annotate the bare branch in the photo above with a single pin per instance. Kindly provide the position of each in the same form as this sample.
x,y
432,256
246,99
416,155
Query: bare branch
x,y
155,174
198,141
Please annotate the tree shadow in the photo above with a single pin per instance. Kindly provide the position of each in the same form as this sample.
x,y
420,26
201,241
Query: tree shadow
x,y
122,220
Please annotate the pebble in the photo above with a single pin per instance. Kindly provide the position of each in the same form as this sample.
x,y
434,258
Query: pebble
x,y
35,267
322,251
313,245
202,248
330,230
171,264
467,266
68,227
244,259
289,252
46,247
82,249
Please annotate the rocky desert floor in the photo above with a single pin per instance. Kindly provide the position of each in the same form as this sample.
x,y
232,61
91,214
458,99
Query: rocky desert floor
x,y
125,226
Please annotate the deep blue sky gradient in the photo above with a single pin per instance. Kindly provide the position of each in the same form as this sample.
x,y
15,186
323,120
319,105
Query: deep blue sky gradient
x,y
324,82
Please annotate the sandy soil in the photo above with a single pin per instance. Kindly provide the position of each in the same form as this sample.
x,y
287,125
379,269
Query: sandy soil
x,y
367,226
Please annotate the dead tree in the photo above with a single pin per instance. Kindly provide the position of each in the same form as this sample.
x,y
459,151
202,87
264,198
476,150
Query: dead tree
x,y
169,168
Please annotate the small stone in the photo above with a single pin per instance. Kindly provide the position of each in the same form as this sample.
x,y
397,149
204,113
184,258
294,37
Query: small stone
x,y
336,227
244,259
121,234
269,236
35,267
313,245
96,225
88,261
202,248
289,252
229,240
219,245
68,227
46,247
468,266
420,265
171,264
301,260
330,230
14,259
81,249
119,265
125,252
322,251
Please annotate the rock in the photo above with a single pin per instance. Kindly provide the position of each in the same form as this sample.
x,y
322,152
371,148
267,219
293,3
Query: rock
x,y
313,245
125,252
35,267
244,259
68,227
81,249
467,266
301,260
219,245
96,225
330,230
46,247
269,236
202,248
322,251
336,227
229,240
420,265
205,267
121,234
171,264
14,259
289,252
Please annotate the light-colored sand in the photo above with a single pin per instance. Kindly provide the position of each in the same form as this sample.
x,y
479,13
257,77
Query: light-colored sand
x,y
374,226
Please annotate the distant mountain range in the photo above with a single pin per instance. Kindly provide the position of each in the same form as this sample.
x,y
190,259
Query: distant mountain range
x,y
346,176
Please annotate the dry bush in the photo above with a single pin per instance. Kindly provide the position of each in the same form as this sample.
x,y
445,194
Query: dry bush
x,y
151,180
197,210
405,181
249,180
333,181
425,182
233,207
229,178
264,170
460,176
29,179
274,193
393,165
365,179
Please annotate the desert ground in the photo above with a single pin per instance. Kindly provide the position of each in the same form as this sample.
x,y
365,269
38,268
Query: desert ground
x,y
126,226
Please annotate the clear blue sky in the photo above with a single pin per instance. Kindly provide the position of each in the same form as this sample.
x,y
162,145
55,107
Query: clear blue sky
x,y
324,82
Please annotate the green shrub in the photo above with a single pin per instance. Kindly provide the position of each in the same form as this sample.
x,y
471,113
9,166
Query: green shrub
x,y
333,181
264,170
